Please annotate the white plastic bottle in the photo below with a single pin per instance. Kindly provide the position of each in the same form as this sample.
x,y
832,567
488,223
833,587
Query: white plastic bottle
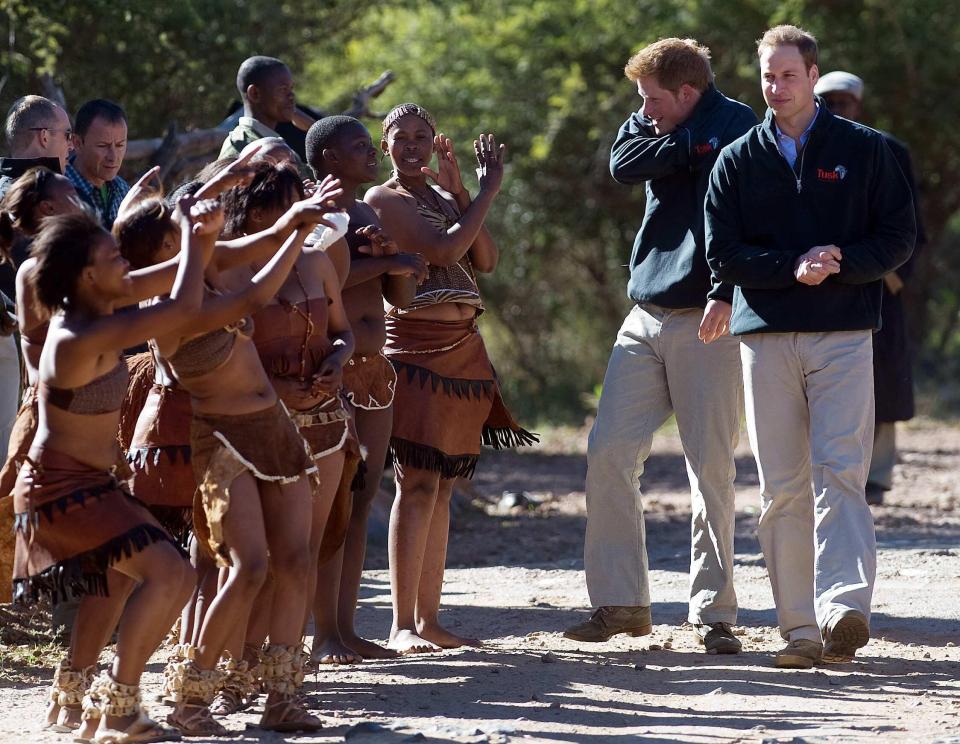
x,y
323,237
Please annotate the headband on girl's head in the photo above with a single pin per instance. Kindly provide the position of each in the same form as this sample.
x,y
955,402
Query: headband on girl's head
x,y
408,108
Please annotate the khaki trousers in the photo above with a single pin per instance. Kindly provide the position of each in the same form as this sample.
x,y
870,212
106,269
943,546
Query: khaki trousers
x,y
659,367
809,404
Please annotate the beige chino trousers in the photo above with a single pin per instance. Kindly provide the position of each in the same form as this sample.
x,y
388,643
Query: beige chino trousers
x,y
659,367
809,404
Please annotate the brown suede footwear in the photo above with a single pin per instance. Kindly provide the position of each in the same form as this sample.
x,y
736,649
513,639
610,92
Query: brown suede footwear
x,y
799,654
607,622
847,633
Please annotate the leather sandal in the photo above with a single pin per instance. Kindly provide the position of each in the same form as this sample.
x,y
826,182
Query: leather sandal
x,y
66,697
118,700
193,689
282,674
195,719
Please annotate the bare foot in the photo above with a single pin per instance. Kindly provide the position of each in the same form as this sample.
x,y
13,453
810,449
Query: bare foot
x,y
435,633
333,651
64,719
369,649
53,712
406,642
88,727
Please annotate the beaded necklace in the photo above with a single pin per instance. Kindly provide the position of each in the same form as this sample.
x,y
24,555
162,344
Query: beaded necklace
x,y
308,319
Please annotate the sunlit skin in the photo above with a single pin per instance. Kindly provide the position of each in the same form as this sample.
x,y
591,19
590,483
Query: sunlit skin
x,y
666,108
100,151
99,616
317,278
85,341
788,88
410,145
264,518
54,139
274,100
353,159
419,520
277,153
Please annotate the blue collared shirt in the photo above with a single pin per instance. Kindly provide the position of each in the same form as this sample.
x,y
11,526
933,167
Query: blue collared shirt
x,y
788,145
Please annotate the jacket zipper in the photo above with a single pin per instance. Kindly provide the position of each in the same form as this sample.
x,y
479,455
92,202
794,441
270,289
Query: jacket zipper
x,y
797,175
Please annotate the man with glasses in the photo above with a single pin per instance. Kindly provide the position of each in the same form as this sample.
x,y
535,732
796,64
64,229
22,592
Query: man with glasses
x,y
38,133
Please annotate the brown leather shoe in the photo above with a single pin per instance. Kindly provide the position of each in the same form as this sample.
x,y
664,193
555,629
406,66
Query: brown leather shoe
x,y
799,654
607,622
847,633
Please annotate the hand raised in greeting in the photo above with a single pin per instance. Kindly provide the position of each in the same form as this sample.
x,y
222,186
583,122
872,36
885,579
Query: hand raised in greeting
x,y
447,176
489,162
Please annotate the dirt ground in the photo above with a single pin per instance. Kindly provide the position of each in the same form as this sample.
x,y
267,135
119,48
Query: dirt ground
x,y
515,578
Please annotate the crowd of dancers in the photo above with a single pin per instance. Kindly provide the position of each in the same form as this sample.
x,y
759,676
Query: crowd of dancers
x,y
224,476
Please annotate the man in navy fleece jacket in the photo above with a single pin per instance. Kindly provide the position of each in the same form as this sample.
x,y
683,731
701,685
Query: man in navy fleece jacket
x,y
805,214
673,355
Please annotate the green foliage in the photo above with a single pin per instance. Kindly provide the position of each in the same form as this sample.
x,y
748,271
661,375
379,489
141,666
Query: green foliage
x,y
546,77
168,61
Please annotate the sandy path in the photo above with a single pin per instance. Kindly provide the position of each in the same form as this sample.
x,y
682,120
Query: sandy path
x,y
516,579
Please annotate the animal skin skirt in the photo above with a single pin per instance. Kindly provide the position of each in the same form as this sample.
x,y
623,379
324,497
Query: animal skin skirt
x,y
160,458
448,400
266,444
72,522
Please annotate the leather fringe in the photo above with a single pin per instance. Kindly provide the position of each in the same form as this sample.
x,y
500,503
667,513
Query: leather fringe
x,y
429,458
505,437
451,386
22,520
177,520
171,453
86,573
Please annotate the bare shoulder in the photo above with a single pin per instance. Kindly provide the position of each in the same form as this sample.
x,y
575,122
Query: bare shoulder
x,y
387,197
26,266
363,212
317,261
327,271
384,192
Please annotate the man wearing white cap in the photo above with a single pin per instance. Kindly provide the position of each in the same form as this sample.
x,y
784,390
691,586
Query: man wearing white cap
x,y
892,354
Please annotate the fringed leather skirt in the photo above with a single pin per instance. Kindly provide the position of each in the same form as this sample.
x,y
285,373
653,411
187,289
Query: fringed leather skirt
x,y
159,456
448,400
264,443
72,522
369,382
328,428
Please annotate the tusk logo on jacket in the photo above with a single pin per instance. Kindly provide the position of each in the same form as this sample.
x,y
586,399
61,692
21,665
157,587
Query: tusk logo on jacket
x,y
837,174
709,146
